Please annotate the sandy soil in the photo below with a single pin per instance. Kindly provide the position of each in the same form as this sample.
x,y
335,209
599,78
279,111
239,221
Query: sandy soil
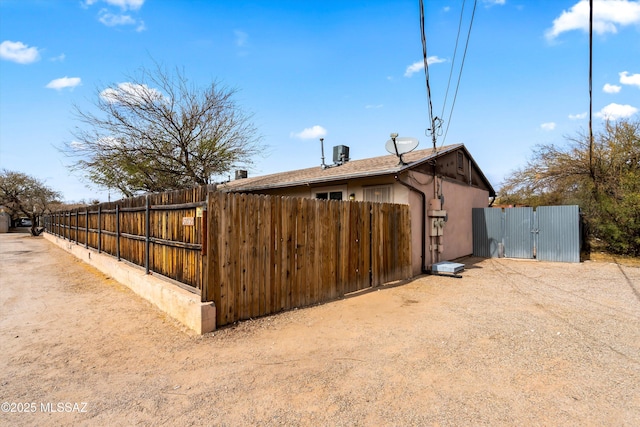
x,y
511,343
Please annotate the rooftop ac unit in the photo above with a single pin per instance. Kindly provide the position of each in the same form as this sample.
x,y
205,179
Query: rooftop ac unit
x,y
340,154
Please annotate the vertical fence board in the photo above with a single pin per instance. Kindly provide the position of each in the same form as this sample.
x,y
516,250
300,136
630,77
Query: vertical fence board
x,y
234,248
298,291
273,296
332,228
312,247
288,259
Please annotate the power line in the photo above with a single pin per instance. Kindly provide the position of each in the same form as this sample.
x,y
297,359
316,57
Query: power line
x,y
464,56
591,169
426,73
453,61
436,122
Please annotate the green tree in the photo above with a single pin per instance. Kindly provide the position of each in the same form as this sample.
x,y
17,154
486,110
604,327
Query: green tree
x,y
607,188
26,196
158,132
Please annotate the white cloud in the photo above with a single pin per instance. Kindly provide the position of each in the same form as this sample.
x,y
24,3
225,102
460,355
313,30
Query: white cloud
x,y
608,15
548,126
77,145
414,68
18,52
60,58
126,4
616,111
578,116
373,106
132,94
64,82
446,8
310,133
633,79
108,141
122,4
111,20
419,66
435,60
494,2
607,88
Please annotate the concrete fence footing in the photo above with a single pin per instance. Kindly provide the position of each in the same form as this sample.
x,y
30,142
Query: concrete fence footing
x,y
178,303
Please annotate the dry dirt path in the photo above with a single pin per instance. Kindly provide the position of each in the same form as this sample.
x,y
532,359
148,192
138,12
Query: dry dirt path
x,y
511,343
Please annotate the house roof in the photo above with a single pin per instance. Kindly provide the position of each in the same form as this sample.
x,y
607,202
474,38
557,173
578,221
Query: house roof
x,y
375,166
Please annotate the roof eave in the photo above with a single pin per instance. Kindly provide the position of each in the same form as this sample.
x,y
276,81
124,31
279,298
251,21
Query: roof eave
x,y
400,168
308,182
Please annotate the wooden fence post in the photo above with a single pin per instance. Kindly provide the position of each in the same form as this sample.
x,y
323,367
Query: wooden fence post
x,y
86,228
147,229
99,228
118,232
76,236
204,291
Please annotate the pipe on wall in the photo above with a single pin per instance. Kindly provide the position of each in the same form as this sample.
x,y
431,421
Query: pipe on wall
x,y
424,220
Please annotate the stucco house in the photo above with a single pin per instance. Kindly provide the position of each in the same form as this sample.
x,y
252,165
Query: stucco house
x,y
441,187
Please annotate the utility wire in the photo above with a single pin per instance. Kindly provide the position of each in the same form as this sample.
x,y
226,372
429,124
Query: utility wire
x,y
453,61
426,73
591,169
464,55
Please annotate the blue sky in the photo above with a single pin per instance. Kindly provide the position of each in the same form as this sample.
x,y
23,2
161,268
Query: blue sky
x,y
348,71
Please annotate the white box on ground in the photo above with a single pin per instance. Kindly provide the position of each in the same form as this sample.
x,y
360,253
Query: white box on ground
x,y
447,267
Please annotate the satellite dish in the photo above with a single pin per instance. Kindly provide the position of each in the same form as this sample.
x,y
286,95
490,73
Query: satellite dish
x,y
402,145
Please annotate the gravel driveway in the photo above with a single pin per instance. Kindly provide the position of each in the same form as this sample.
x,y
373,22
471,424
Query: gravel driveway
x,y
511,343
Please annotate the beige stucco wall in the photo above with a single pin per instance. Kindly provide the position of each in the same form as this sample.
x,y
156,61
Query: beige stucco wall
x,y
423,183
458,202
355,187
459,199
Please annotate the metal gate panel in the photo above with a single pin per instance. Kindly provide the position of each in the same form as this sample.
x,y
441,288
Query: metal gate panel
x,y
518,238
487,226
550,233
559,233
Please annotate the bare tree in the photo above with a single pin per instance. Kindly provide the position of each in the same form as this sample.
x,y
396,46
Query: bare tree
x,y
158,132
25,196
607,188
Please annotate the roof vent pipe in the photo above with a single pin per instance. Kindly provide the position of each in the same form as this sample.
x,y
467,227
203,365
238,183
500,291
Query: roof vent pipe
x,y
322,165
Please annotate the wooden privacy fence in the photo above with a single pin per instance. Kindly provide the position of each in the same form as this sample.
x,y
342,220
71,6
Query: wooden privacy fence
x,y
267,254
161,232
251,255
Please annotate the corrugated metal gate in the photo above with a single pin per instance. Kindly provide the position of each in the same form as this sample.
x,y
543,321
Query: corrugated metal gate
x,y
550,233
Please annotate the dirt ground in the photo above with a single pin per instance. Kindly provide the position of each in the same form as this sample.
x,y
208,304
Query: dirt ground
x,y
511,343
